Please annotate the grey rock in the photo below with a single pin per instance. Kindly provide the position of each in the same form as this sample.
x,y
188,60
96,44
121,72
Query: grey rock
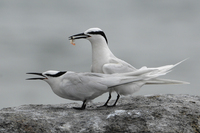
x,y
148,114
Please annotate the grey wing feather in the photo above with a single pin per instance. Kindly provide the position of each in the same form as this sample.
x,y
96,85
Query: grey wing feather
x,y
117,66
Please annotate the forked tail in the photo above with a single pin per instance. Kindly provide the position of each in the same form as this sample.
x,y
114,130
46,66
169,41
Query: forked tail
x,y
151,74
165,81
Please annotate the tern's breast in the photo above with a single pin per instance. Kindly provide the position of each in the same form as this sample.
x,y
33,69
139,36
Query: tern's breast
x,y
68,89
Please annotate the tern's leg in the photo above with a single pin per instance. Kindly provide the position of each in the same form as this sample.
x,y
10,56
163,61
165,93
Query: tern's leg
x,y
106,104
82,107
118,96
109,97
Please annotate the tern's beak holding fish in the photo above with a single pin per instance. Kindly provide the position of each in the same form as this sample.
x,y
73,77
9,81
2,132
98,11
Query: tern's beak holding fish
x,y
94,35
104,61
78,36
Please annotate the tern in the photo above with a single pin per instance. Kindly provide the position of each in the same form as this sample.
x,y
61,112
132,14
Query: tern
x,y
104,61
87,86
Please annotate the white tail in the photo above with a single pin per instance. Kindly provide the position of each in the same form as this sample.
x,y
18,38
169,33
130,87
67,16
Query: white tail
x,y
165,81
150,74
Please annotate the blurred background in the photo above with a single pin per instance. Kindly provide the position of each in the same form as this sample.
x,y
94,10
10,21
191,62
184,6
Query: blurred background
x,y
34,38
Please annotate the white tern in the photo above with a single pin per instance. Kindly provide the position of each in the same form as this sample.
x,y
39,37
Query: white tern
x,y
104,61
87,86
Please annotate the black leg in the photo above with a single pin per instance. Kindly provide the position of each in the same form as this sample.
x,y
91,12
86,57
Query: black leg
x,y
109,97
82,107
106,104
118,96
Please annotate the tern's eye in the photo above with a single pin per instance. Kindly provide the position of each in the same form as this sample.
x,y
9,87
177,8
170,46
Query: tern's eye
x,y
56,74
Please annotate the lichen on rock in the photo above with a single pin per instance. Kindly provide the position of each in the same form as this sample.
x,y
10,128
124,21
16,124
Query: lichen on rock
x,y
154,113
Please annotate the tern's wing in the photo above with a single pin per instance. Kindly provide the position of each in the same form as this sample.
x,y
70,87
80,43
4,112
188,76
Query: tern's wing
x,y
81,86
116,65
90,85
103,81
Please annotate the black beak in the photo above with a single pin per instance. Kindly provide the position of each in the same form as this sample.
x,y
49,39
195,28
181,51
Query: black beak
x,y
40,74
78,36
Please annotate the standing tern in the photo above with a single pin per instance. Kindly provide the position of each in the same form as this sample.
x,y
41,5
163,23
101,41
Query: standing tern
x,y
104,61
87,86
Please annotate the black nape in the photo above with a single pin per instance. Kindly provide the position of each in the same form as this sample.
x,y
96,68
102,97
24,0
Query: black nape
x,y
57,74
99,33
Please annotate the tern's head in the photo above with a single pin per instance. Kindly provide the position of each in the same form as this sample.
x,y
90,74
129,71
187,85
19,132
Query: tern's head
x,y
48,76
94,35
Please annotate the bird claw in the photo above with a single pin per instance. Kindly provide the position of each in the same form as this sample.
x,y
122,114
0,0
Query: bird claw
x,y
78,108
106,106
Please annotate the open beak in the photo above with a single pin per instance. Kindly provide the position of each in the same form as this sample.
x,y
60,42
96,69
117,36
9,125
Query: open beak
x,y
77,36
40,74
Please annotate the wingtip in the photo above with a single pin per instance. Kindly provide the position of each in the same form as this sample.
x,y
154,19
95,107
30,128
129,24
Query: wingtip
x,y
187,83
181,61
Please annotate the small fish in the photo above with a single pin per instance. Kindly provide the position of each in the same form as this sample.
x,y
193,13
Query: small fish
x,y
72,41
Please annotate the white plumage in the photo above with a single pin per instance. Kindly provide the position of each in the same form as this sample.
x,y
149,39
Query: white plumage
x,y
87,86
104,61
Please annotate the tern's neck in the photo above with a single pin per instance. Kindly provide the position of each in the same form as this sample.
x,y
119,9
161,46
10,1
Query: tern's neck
x,y
100,55
55,86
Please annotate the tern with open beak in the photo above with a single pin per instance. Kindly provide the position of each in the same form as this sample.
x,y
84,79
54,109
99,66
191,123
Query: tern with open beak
x,y
87,86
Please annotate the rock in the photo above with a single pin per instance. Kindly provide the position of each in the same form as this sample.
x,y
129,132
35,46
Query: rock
x,y
148,114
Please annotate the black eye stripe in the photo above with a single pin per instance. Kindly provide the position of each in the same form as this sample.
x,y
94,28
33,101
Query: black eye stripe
x,y
98,33
57,74
95,32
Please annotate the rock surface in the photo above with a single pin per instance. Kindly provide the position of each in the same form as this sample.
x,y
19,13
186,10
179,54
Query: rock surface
x,y
148,114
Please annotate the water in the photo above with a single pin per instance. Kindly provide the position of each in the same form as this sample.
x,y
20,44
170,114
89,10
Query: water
x,y
34,38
